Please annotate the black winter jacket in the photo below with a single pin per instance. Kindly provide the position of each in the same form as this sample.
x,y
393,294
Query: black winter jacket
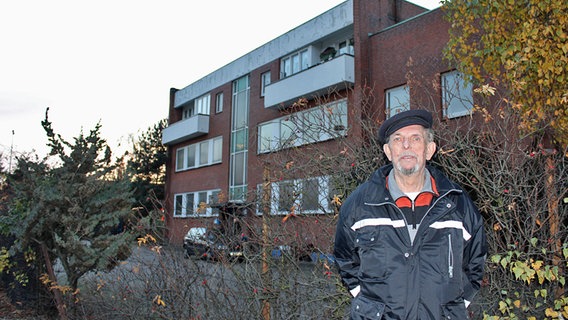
x,y
391,278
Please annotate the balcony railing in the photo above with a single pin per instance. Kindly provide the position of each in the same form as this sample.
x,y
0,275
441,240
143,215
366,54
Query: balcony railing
x,y
186,129
335,74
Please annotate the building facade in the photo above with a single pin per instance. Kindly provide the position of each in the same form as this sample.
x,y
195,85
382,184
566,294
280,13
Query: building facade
x,y
300,89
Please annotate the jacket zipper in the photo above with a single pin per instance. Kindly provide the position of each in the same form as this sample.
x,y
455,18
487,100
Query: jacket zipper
x,y
450,257
400,211
436,201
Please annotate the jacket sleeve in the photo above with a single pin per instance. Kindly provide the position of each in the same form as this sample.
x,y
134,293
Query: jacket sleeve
x,y
475,251
346,258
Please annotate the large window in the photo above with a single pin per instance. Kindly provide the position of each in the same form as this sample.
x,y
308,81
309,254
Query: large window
x,y
196,204
294,63
346,47
239,140
397,100
264,81
457,97
199,106
311,195
317,124
219,102
199,154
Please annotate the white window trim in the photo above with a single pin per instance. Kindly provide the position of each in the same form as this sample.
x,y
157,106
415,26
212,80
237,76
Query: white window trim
x,y
202,104
194,212
264,81
348,49
462,100
393,102
302,54
210,155
219,102
323,197
298,124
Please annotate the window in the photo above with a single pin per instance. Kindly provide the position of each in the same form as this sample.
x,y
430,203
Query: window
x,y
189,204
200,106
317,124
180,156
286,196
239,140
311,195
178,205
346,47
191,156
294,63
269,134
219,102
196,204
217,150
204,153
457,97
199,154
187,112
264,81
398,100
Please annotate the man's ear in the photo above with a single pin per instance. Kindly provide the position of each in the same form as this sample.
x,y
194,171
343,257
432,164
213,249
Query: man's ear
x,y
387,151
430,150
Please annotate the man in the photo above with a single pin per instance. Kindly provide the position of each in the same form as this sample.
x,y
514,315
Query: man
x,y
410,243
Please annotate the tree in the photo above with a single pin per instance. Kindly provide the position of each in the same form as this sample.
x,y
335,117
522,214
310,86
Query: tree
x,y
71,209
521,45
147,167
147,164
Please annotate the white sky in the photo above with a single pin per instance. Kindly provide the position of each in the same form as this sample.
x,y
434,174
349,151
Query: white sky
x,y
114,61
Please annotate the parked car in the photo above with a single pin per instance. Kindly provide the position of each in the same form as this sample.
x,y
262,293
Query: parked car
x,y
203,243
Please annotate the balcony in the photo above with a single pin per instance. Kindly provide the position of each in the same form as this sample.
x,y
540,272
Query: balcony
x,y
186,129
333,75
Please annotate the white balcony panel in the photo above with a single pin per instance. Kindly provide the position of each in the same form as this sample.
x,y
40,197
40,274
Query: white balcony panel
x,y
186,129
335,74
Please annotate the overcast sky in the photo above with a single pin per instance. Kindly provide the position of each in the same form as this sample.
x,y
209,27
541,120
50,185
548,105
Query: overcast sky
x,y
114,61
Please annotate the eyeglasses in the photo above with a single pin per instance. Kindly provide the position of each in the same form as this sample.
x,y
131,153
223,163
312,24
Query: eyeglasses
x,y
412,141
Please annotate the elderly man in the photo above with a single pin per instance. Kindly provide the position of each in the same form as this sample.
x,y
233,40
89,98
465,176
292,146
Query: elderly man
x,y
410,243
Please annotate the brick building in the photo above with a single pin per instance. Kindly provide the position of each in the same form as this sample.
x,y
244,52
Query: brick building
x,y
225,125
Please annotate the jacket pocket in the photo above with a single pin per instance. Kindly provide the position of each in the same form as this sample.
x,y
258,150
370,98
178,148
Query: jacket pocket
x,y
373,256
363,308
454,310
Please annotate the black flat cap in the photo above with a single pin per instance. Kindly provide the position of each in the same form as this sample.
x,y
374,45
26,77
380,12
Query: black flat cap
x,y
404,119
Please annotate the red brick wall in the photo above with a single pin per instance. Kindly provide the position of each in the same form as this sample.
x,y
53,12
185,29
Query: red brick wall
x,y
381,62
412,49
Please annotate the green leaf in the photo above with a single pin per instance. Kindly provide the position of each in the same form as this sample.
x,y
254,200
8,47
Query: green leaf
x,y
496,258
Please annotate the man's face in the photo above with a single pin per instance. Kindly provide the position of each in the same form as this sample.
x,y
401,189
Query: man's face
x,y
408,149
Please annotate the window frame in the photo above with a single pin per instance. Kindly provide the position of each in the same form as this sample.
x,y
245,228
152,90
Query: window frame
x,y
289,68
291,130
454,104
264,81
199,105
187,204
219,102
297,204
211,146
393,98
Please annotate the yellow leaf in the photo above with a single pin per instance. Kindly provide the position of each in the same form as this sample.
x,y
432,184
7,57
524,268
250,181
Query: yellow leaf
x,y
550,313
158,300
537,265
336,199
